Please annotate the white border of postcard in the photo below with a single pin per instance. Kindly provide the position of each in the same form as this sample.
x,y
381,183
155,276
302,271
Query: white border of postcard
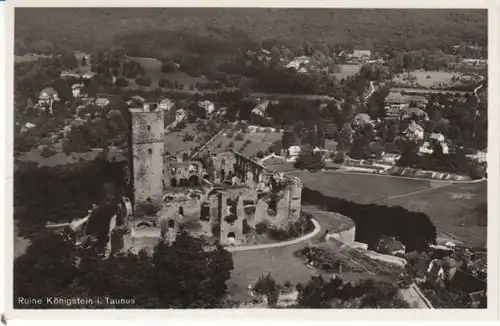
x,y
260,315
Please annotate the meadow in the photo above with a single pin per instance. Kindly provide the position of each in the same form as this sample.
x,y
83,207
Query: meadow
x,y
259,141
454,208
347,70
428,79
152,69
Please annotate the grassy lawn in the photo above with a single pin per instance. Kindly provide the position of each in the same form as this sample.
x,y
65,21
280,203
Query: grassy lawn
x,y
347,70
436,77
451,208
174,142
152,69
359,188
259,141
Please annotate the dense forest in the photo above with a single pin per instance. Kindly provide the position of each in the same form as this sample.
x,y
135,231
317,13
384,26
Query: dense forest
x,y
87,28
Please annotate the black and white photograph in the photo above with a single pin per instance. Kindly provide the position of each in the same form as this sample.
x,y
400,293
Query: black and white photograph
x,y
243,158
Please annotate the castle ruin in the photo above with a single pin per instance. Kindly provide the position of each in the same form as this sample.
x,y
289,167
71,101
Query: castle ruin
x,y
167,194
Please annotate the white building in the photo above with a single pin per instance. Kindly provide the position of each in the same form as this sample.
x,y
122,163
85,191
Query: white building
x,y
426,148
166,105
293,152
76,89
102,102
261,108
208,106
298,62
437,137
414,131
27,126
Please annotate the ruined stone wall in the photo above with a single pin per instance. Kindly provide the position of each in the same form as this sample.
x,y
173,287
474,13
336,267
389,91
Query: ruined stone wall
x,y
232,230
226,162
147,156
176,174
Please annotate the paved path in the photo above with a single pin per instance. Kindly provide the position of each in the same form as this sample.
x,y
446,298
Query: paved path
x,y
372,90
400,177
309,236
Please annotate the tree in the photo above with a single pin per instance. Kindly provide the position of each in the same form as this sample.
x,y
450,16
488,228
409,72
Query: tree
x,y
183,267
267,286
121,82
55,266
69,61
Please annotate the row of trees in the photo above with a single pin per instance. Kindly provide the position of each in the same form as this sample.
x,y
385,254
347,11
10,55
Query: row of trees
x,y
415,230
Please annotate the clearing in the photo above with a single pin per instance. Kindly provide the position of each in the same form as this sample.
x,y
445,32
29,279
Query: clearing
x,y
152,69
347,70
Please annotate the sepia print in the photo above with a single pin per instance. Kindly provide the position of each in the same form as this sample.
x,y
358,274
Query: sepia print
x,y
250,158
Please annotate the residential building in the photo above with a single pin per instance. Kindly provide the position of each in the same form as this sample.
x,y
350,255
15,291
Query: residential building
x,y
427,149
76,89
166,105
437,137
261,108
361,119
102,101
208,106
294,151
298,62
414,131
27,126
479,156
360,55
89,75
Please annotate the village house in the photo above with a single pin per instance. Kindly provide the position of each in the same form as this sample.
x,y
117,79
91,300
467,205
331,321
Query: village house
x,y
293,152
360,120
414,131
102,101
438,137
360,56
27,126
299,62
209,106
76,90
89,75
166,105
261,108
47,98
479,156
427,149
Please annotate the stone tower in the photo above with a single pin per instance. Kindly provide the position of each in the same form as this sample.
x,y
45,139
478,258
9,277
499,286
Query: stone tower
x,y
146,156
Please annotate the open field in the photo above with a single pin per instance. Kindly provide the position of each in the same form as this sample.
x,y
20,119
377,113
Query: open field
x,y
451,207
259,141
453,210
174,142
428,79
347,70
29,57
152,69
359,188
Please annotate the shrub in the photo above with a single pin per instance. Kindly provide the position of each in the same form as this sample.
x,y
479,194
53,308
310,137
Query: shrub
x,y
261,227
231,145
238,137
229,134
121,82
48,152
187,137
143,81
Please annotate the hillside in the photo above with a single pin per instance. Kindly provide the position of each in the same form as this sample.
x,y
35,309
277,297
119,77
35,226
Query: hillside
x,y
87,28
